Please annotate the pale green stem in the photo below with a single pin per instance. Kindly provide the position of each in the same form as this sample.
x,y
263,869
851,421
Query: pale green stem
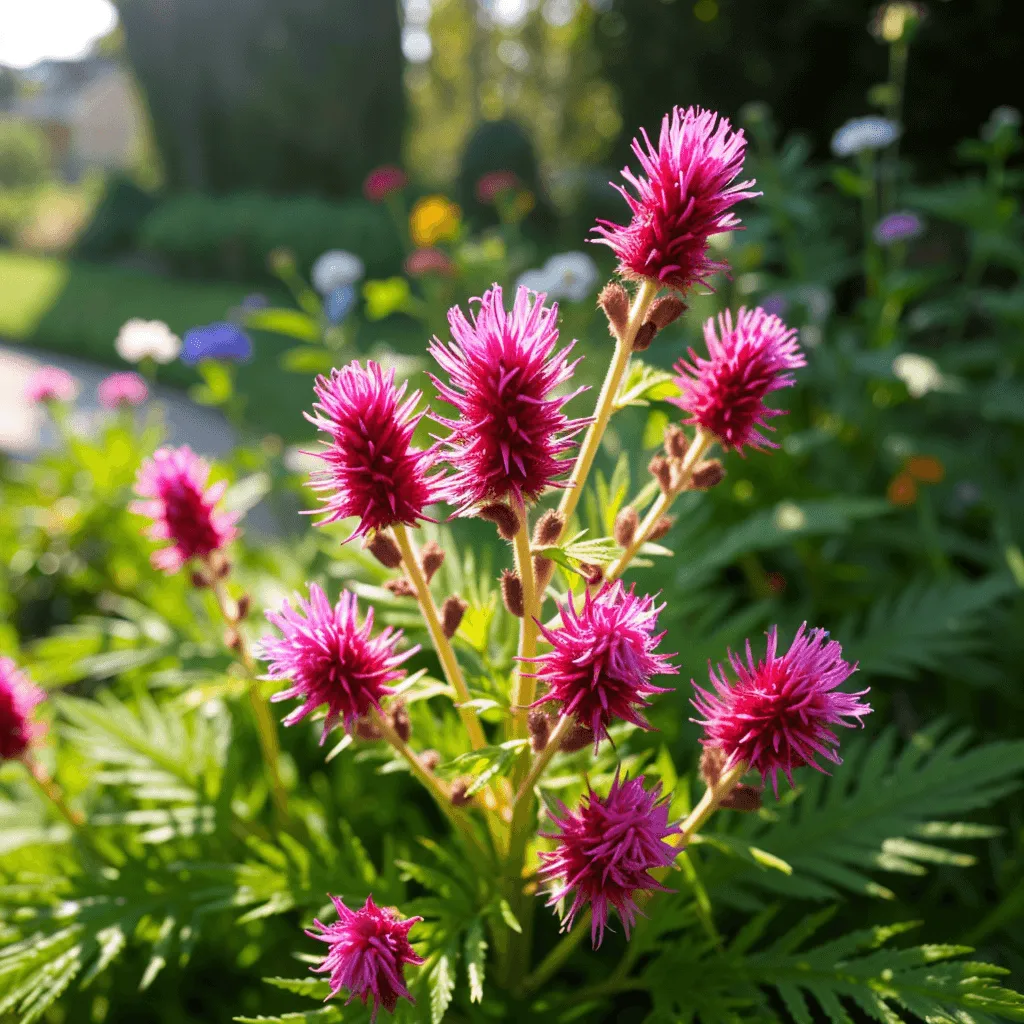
x,y
524,686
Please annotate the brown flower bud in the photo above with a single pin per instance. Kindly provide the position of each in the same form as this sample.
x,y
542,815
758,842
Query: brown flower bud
x,y
676,441
431,558
665,310
232,639
578,737
243,606
592,573
743,798
712,760
400,722
220,564
512,592
661,527
548,529
661,470
385,550
644,336
200,580
543,570
367,728
430,759
614,300
540,729
503,517
626,523
400,587
451,614
458,790
707,474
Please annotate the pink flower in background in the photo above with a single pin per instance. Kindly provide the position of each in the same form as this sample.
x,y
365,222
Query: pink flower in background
x,y
51,384
373,472
684,198
603,657
171,486
367,954
329,658
382,182
491,185
19,697
421,262
778,714
606,851
124,388
725,393
511,435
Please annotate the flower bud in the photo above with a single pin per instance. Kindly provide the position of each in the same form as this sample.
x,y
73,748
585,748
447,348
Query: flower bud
x,y
503,517
614,300
232,639
400,722
385,550
644,336
512,592
578,737
543,570
592,573
665,310
661,527
367,729
743,798
431,558
712,760
430,759
548,529
676,441
451,615
220,564
540,729
199,580
707,474
626,523
661,470
400,587
243,606
458,790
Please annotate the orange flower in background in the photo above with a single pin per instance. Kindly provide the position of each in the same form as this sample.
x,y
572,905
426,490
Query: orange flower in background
x,y
902,490
926,468
434,219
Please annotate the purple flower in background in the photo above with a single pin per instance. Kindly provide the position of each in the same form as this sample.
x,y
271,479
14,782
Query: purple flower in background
x,y
253,302
898,227
223,340
339,304
775,304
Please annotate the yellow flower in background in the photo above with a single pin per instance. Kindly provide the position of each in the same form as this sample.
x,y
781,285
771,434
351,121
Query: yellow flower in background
x,y
434,219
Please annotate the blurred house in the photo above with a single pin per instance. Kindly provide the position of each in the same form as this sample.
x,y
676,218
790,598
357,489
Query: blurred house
x,y
89,110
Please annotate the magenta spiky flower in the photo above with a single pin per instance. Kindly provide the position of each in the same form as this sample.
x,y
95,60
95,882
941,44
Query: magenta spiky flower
x,y
511,436
367,953
725,393
329,658
606,851
778,715
172,486
683,197
373,472
603,657
19,697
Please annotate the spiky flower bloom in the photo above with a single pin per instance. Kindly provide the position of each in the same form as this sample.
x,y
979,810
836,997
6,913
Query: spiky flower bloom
x,y
373,472
367,953
603,657
511,435
779,713
19,697
50,384
748,359
173,493
329,658
606,851
683,197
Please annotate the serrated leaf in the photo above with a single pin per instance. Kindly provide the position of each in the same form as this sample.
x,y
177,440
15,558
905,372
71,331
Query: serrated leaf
x,y
476,954
442,986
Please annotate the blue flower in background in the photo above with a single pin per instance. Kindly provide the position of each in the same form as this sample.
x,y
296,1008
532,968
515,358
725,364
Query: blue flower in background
x,y
864,133
254,301
339,304
224,340
775,304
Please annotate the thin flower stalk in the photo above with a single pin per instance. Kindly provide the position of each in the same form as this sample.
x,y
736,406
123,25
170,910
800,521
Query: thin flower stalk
x,y
524,685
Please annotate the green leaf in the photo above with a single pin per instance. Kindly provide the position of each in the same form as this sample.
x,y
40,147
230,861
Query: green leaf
x,y
508,917
475,953
850,183
313,988
307,359
442,986
484,764
289,322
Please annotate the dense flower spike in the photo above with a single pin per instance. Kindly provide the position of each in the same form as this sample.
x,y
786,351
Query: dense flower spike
x,y
172,486
373,472
367,954
606,851
50,384
18,699
725,393
123,388
603,658
329,658
511,435
778,714
683,199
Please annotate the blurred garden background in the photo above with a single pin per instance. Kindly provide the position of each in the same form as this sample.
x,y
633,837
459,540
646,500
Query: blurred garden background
x,y
290,184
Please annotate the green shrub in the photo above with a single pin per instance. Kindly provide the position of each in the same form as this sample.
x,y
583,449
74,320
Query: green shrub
x,y
117,223
24,154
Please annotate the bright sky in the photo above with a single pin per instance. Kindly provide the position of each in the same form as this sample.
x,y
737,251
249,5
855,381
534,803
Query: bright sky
x,y
34,30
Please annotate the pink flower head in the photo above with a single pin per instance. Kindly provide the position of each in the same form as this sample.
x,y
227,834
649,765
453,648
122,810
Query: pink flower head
x,y
421,262
51,384
684,199
125,388
777,716
367,954
172,486
383,182
330,659
603,657
18,699
511,433
372,470
725,393
606,850
491,185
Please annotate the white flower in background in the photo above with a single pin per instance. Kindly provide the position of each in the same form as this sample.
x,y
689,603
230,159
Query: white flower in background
x,y
567,275
301,462
336,268
147,339
919,373
864,133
